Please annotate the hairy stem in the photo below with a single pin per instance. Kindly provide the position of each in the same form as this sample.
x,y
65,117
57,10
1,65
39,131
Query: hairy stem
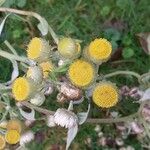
x,y
13,57
89,120
10,47
41,110
123,73
112,120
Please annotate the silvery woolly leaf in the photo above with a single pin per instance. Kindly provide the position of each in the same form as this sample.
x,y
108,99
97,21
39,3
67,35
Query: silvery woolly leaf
x,y
43,27
83,115
72,132
2,24
28,115
146,95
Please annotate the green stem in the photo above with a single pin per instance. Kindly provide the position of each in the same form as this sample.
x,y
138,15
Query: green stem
x,y
113,120
123,73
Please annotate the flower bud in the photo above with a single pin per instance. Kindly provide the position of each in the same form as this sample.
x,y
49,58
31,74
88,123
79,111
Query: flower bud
x,y
38,99
35,73
68,48
71,92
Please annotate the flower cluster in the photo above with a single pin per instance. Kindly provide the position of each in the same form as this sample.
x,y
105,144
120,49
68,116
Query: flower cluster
x,y
12,134
63,72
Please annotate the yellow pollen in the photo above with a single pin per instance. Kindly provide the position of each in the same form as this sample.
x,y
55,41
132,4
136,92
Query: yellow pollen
x,y
2,142
81,73
12,136
46,67
34,48
105,95
21,89
100,49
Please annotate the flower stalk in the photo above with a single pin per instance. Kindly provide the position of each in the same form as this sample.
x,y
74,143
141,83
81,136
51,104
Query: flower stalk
x,y
123,73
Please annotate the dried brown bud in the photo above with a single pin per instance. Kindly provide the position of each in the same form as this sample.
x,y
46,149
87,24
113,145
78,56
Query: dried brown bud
x,y
121,126
119,141
61,98
102,141
71,92
136,128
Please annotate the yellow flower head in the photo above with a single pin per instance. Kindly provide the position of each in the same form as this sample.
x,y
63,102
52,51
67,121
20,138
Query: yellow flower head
x,y
105,95
14,124
12,137
68,48
38,49
46,67
22,88
81,73
2,142
99,50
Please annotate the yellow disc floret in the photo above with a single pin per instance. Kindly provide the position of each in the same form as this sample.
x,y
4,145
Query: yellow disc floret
x,y
34,48
46,67
105,95
81,73
38,50
12,137
21,89
14,124
99,50
2,142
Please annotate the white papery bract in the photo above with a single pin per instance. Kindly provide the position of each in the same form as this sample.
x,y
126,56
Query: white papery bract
x,y
26,137
146,95
65,118
50,121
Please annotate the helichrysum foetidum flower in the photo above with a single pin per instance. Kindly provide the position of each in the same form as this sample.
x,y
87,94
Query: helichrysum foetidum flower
x,y
35,73
23,88
99,50
2,142
14,124
68,48
38,50
65,118
12,136
81,73
46,68
105,95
